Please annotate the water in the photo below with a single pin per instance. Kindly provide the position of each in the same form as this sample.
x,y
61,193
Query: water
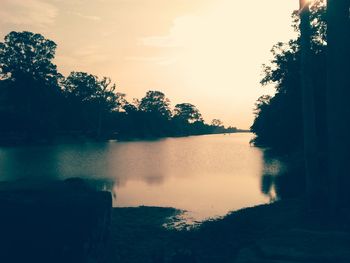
x,y
205,175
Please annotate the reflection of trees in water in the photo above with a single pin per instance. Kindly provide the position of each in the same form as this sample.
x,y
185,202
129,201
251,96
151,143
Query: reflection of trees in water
x,y
283,176
268,187
154,179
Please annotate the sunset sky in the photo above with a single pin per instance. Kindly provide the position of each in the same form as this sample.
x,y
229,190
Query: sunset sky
x,y
206,52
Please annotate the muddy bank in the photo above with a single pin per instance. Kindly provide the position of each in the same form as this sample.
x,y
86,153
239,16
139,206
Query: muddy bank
x,y
279,232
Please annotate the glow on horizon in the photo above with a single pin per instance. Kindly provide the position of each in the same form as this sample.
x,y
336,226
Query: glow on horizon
x,y
207,52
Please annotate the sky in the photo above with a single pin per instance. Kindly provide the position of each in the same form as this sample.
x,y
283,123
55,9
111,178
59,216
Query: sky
x,y
205,52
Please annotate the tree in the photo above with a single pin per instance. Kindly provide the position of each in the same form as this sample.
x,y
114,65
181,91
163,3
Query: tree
x,y
278,120
91,99
82,86
187,112
108,101
37,101
156,103
33,90
308,103
25,54
338,93
294,118
216,123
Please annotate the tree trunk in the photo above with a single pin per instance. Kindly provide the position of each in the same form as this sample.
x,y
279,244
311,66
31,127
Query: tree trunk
x,y
338,96
313,189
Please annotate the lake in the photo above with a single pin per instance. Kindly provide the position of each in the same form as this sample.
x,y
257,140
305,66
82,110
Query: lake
x,y
207,176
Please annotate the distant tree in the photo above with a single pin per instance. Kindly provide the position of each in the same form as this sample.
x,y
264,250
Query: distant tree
x,y
108,101
131,107
91,99
216,123
82,86
86,87
231,129
153,115
155,102
37,101
187,112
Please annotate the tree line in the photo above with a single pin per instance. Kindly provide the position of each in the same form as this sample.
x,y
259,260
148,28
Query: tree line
x,y
307,121
39,103
278,123
278,119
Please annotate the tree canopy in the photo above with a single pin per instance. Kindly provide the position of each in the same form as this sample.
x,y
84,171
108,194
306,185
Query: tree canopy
x,y
25,54
155,102
278,118
187,112
36,101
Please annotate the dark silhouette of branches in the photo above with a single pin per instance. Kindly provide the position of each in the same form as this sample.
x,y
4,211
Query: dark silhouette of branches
x,y
38,103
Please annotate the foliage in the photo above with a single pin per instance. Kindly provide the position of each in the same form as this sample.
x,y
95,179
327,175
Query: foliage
x,y
27,54
30,84
278,118
187,112
216,123
36,101
156,103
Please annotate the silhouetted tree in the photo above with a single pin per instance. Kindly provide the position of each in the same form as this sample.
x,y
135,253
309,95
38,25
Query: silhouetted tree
x,y
31,79
25,54
187,120
216,123
108,101
154,114
37,101
187,112
90,100
279,119
338,93
155,102
296,113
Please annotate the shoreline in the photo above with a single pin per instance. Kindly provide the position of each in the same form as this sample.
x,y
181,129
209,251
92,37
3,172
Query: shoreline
x,y
284,231
21,141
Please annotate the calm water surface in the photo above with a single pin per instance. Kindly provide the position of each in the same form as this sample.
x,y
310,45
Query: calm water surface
x,y
206,175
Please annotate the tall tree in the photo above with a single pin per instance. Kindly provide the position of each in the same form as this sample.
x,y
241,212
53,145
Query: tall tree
x,y
308,102
338,94
282,120
25,54
26,64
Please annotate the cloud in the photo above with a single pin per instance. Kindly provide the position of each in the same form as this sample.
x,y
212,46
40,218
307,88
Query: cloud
x,y
28,12
157,60
219,51
92,18
159,41
176,37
